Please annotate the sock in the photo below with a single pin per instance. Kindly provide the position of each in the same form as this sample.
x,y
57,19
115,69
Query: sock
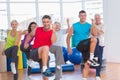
x,y
84,78
91,56
44,68
30,63
58,67
13,69
98,78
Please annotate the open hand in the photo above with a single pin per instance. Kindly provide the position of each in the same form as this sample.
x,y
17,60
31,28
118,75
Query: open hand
x,y
69,50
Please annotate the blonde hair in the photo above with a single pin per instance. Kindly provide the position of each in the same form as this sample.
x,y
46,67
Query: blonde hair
x,y
14,21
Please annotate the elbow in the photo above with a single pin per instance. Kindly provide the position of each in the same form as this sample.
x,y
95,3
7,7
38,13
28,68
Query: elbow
x,y
68,38
54,40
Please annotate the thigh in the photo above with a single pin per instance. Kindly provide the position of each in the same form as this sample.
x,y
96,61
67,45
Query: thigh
x,y
34,55
53,49
25,50
8,52
84,45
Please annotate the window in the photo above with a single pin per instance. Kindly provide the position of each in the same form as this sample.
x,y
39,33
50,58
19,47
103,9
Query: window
x,y
3,16
92,7
23,12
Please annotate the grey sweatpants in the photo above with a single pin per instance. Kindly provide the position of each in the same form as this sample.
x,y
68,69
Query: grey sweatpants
x,y
59,60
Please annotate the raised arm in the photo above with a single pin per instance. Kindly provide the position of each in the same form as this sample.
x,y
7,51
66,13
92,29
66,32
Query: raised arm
x,y
54,37
24,32
93,28
68,24
68,40
18,38
102,31
29,37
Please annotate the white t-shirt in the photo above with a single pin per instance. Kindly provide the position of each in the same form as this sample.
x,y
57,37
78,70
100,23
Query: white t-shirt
x,y
101,37
61,37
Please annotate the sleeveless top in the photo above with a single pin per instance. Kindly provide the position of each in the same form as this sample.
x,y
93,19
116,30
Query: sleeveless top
x,y
42,38
10,40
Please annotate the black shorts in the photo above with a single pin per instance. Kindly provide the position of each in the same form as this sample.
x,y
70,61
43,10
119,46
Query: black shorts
x,y
84,47
34,55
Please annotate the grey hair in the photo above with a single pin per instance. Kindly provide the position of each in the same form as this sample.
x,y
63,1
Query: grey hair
x,y
57,23
97,15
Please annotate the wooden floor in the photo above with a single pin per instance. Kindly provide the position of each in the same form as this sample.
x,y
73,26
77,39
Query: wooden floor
x,y
112,73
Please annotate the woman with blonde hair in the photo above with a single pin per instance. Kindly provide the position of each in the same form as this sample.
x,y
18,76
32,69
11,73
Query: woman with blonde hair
x,y
11,47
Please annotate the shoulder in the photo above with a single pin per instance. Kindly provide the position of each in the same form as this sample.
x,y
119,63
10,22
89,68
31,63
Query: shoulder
x,y
88,24
77,23
19,32
39,27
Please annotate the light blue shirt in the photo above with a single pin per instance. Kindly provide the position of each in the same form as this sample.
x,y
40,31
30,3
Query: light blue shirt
x,y
80,32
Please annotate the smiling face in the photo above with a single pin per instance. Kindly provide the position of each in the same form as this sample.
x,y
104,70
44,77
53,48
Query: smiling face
x,y
14,24
33,26
57,26
46,20
82,17
97,19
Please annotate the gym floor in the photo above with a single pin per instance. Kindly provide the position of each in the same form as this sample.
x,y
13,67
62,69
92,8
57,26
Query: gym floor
x,y
112,73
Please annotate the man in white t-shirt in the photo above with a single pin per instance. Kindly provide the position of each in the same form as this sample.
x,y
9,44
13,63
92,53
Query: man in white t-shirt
x,y
100,30
56,48
61,34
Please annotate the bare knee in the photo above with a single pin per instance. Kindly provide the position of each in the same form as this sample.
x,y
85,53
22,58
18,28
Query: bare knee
x,y
93,40
86,66
45,49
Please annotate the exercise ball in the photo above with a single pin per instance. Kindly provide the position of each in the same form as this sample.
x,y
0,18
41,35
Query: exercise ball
x,y
9,60
65,53
24,58
75,57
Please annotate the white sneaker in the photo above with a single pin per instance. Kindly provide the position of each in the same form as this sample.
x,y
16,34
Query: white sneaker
x,y
30,63
98,78
13,69
58,67
84,78
29,78
93,62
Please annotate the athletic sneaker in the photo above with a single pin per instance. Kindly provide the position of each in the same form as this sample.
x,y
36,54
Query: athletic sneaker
x,y
58,67
97,78
93,62
47,73
13,69
84,78
30,63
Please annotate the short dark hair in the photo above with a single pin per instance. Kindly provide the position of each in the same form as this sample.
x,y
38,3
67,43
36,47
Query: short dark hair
x,y
46,16
82,11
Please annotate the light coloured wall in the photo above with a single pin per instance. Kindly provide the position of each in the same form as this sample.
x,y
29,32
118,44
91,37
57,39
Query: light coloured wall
x,y
112,20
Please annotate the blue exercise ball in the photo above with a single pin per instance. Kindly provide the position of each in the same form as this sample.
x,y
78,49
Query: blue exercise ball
x,y
75,57
24,58
9,60
65,53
